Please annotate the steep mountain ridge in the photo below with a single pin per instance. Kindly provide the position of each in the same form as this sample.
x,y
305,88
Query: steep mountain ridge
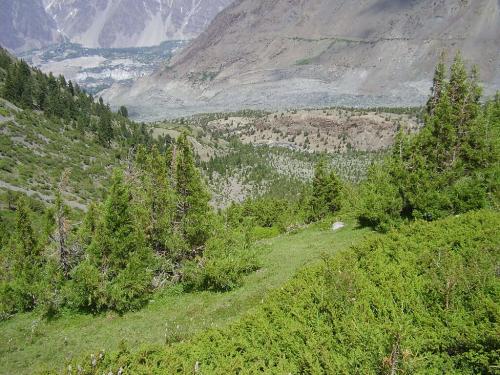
x,y
130,23
288,53
29,24
25,25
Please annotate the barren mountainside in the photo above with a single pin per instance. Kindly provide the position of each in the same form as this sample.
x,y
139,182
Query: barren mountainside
x,y
286,53
131,23
31,24
25,24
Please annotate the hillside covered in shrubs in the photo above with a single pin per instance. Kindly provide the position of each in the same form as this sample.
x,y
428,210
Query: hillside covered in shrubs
x,y
420,300
419,297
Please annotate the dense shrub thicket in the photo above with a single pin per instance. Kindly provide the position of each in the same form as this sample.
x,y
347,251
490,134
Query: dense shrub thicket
x,y
423,300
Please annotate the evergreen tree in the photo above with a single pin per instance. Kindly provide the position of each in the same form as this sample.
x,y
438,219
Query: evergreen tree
x,y
27,95
326,192
123,111
41,93
381,204
71,88
20,290
116,236
193,210
105,128
450,166
116,273
437,85
5,59
157,198
24,234
87,230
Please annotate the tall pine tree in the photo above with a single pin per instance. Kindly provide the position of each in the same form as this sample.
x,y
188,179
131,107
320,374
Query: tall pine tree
x,y
20,288
193,210
449,166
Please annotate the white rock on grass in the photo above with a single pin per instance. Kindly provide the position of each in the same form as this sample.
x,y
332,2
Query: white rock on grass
x,y
337,225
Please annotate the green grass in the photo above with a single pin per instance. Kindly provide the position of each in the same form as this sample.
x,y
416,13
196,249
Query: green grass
x,y
28,344
306,61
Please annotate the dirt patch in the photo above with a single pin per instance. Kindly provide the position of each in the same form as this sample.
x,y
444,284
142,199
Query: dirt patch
x,y
329,130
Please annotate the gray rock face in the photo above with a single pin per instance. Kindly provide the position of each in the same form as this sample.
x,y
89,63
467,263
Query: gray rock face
x,y
25,25
293,53
132,23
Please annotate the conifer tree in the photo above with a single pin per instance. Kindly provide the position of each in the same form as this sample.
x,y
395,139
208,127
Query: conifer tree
x,y
116,236
10,89
437,85
449,166
158,199
26,99
24,234
88,228
24,264
193,208
105,128
326,191
71,88
116,273
41,93
5,60
123,111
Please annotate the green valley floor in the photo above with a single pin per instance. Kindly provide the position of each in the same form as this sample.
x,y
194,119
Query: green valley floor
x,y
29,343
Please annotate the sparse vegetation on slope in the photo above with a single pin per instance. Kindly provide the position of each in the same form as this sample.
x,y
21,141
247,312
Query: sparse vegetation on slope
x,y
50,128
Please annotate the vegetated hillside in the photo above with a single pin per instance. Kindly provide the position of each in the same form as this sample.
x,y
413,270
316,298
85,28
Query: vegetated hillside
x,y
417,300
268,54
36,153
131,23
255,153
421,300
55,132
25,25
34,344
38,147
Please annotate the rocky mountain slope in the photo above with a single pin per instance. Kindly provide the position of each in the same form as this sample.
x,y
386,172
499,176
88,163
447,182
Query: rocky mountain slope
x,y
132,23
293,53
29,24
25,25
